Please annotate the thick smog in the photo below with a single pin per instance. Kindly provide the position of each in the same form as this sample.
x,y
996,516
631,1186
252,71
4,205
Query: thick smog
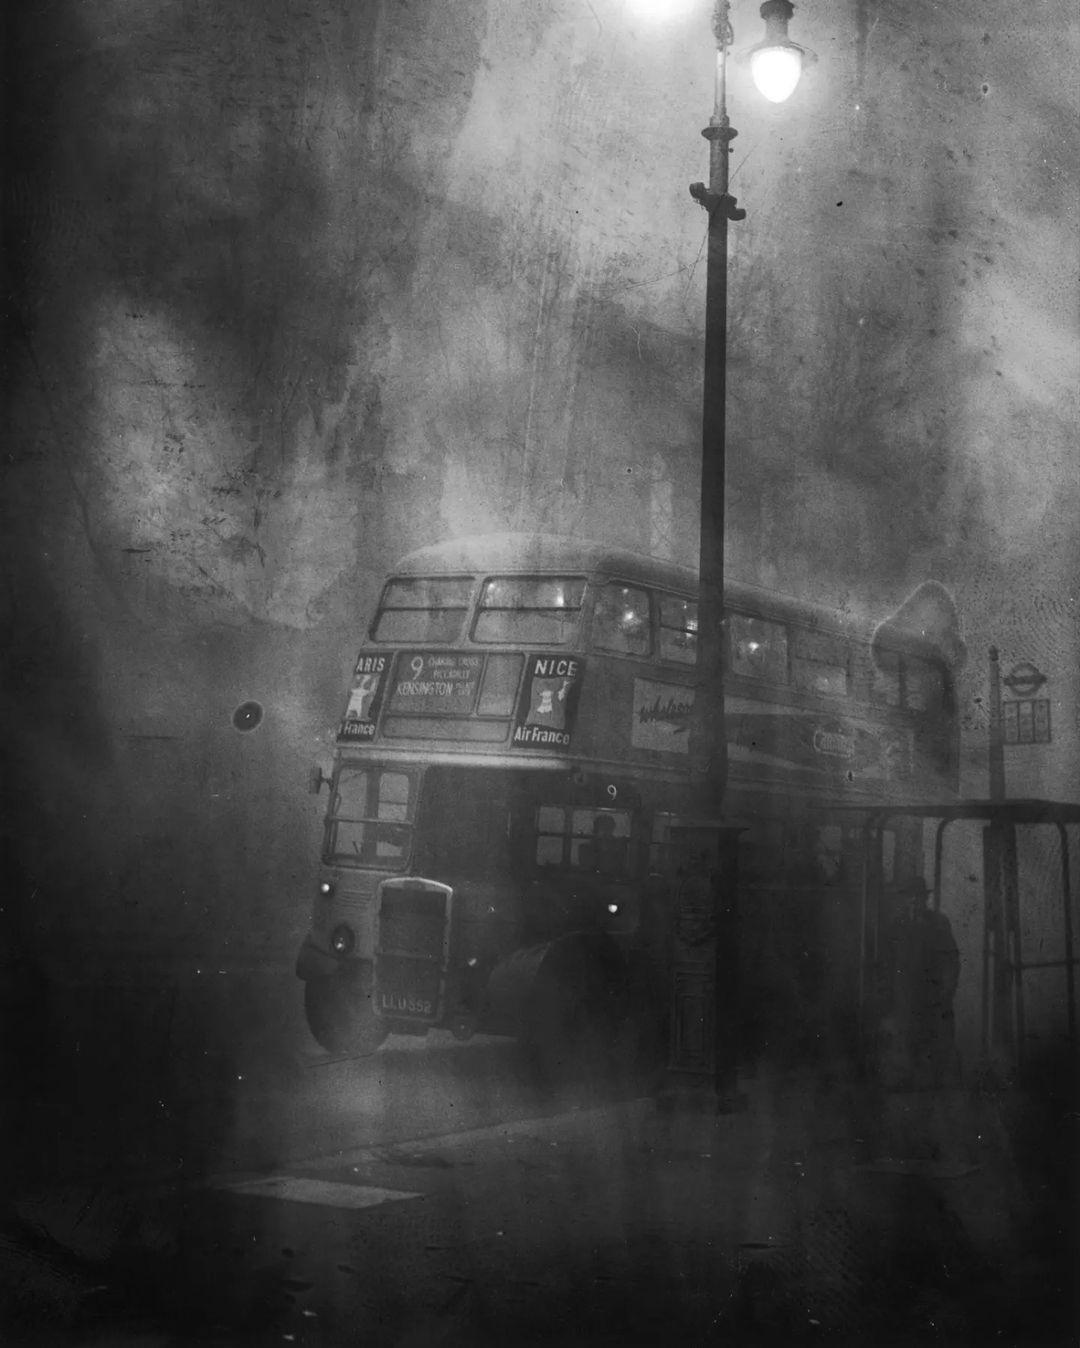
x,y
541,789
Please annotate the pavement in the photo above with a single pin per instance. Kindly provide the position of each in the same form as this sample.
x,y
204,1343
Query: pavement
x,y
820,1210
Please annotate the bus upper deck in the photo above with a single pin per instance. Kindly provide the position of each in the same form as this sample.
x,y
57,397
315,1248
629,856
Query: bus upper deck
x,y
543,651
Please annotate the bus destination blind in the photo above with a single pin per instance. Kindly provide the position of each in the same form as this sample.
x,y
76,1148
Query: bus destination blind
x,y
435,683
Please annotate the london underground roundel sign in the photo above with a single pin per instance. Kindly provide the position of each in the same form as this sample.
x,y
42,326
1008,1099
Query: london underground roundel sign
x,y
1024,679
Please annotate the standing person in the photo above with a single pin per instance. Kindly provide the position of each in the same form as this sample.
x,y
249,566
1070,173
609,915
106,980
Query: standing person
x,y
920,969
605,853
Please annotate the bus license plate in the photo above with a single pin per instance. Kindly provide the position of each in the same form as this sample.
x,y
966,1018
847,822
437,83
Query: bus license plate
x,y
407,989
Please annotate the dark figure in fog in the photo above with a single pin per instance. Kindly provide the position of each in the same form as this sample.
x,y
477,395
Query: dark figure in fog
x,y
920,969
605,852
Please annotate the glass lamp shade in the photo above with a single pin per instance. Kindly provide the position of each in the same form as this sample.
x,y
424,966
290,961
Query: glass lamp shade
x,y
776,71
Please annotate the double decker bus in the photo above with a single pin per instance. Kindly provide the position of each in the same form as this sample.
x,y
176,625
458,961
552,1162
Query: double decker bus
x,y
512,780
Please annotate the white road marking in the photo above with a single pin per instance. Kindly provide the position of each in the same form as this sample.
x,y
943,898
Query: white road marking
x,y
572,1121
567,1125
325,1193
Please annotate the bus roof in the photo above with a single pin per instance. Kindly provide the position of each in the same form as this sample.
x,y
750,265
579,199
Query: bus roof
x,y
540,553
533,553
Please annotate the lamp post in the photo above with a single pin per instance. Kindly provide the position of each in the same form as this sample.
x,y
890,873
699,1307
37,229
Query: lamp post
x,y
776,64
704,1046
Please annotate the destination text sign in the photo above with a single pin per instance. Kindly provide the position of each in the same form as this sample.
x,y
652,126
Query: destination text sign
x,y
435,682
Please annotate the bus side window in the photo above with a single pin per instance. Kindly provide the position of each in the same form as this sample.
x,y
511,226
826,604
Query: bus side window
x,y
590,839
759,648
819,662
550,835
621,620
678,629
600,841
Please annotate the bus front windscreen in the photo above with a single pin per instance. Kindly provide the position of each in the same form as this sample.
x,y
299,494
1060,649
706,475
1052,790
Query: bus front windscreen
x,y
371,817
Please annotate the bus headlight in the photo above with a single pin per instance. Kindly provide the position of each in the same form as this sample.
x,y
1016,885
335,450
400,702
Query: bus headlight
x,y
613,908
342,940
326,888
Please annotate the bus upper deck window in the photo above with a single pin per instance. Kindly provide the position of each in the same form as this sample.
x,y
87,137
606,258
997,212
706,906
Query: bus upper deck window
x,y
621,620
678,629
759,648
423,609
819,662
529,610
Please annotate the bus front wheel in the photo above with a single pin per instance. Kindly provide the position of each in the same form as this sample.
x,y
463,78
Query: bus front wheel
x,y
340,1014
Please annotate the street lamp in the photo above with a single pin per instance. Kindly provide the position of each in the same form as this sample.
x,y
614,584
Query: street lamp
x,y
776,64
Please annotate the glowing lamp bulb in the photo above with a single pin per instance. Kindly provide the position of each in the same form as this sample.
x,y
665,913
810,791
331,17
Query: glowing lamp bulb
x,y
776,71
777,63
